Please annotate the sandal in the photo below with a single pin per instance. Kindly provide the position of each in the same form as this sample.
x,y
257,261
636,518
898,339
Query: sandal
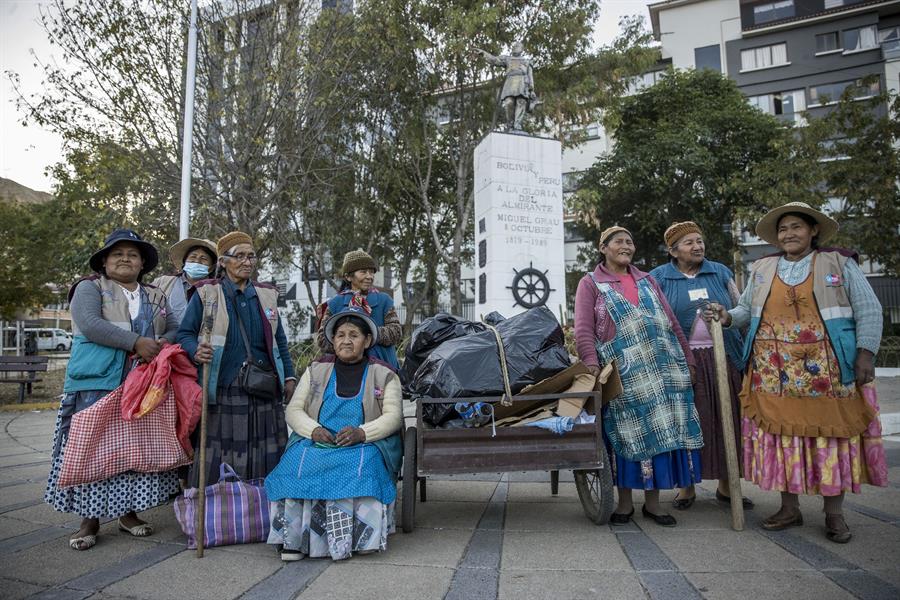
x,y
83,543
141,530
683,503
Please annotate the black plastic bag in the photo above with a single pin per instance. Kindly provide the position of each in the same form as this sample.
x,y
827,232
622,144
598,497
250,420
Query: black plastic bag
x,y
433,332
470,366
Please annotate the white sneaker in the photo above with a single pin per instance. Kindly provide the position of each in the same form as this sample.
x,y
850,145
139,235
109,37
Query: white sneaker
x,y
291,555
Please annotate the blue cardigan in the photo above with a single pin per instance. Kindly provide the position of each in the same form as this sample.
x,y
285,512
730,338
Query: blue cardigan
x,y
713,276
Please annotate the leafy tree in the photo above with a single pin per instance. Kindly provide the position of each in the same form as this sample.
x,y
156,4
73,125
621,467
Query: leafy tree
x,y
686,148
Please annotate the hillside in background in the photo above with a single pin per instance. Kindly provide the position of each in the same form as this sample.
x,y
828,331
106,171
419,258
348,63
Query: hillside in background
x,y
10,191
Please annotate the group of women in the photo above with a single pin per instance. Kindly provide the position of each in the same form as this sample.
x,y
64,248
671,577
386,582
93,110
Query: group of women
x,y
800,342
228,322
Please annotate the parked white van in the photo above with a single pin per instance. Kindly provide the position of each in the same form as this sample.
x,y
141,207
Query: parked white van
x,y
52,339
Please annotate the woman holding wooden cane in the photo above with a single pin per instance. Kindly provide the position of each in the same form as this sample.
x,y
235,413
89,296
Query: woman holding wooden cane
x,y
690,282
245,423
810,416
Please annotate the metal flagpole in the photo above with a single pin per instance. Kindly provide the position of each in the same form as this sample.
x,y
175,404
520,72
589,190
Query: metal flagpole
x,y
190,76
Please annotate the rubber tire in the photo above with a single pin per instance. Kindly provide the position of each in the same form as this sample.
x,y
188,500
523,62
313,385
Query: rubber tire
x,y
595,490
408,492
60,347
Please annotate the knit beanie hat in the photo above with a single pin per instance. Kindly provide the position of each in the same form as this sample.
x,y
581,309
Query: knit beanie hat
x,y
232,239
356,260
676,231
611,231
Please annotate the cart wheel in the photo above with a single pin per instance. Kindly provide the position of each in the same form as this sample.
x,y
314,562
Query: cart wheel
x,y
595,490
422,496
408,516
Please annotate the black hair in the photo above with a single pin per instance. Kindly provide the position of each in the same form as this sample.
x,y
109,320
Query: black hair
x,y
809,220
358,322
209,253
345,285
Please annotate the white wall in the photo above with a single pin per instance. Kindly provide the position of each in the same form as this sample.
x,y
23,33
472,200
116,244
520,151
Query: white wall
x,y
689,26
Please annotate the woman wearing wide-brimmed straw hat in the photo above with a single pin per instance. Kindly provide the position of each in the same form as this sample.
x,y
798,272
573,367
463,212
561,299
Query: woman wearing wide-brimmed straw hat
x,y
808,427
117,321
195,259
357,289
690,281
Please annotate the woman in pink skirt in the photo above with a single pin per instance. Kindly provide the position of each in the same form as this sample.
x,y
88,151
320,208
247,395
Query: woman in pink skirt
x,y
809,413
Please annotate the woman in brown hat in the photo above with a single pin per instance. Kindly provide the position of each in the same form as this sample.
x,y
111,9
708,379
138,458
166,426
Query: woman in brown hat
x,y
195,259
652,427
808,424
358,272
690,281
232,325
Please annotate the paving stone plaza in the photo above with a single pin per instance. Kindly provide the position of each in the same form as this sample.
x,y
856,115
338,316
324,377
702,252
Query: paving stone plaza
x,y
485,537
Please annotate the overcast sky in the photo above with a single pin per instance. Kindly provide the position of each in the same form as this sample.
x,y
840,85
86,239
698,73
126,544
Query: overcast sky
x,y
26,152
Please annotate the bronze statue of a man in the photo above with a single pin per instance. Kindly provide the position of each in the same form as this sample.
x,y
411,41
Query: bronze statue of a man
x,y
517,97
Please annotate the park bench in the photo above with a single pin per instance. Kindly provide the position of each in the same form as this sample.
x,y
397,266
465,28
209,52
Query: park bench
x,y
22,370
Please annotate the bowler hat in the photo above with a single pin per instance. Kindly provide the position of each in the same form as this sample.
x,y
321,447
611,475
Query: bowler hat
x,y
148,252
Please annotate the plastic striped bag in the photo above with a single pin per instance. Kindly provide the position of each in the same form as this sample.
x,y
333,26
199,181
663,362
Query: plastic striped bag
x,y
237,511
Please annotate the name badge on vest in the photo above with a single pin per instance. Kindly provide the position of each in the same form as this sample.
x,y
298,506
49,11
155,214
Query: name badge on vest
x,y
832,280
698,294
270,313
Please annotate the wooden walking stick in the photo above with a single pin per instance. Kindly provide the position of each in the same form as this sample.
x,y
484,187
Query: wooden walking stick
x,y
205,332
731,458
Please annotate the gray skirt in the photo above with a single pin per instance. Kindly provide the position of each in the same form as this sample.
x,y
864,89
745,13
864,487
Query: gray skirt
x,y
246,432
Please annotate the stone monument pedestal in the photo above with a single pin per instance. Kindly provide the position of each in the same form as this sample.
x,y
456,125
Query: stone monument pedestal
x,y
519,235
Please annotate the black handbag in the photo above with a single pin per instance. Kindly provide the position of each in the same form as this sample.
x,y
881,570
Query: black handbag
x,y
256,377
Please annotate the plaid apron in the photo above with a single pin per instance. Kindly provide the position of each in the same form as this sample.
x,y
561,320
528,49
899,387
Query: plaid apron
x,y
655,413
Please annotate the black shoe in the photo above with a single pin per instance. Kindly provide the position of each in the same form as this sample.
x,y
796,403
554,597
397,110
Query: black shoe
x,y
663,520
747,502
621,518
683,503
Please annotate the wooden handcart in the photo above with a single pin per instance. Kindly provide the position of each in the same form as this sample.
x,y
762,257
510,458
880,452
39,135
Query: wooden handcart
x,y
429,452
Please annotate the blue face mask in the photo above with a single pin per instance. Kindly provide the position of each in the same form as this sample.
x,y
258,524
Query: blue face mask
x,y
196,270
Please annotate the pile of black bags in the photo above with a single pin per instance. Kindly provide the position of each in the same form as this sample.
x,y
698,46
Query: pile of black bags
x,y
449,357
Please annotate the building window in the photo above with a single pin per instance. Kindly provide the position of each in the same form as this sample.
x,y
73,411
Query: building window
x,y
708,57
864,38
773,11
764,57
788,104
832,92
828,42
890,38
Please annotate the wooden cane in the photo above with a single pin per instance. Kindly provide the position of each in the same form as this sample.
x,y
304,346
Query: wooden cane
x,y
731,458
201,476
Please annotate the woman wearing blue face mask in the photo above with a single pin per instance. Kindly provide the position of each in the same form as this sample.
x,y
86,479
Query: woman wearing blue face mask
x,y
196,258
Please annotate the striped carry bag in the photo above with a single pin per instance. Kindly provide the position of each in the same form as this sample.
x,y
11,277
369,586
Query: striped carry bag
x,y
237,511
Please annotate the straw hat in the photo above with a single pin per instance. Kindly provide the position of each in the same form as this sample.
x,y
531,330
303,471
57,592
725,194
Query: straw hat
x,y
178,250
767,228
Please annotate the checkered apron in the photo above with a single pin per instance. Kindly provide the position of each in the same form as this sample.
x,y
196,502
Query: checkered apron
x,y
655,413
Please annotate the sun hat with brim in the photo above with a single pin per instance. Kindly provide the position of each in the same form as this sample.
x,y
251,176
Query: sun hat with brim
x,y
179,250
767,228
350,311
148,252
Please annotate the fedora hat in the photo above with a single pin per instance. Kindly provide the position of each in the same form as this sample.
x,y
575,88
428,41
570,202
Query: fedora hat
x,y
148,252
178,250
767,227
354,311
